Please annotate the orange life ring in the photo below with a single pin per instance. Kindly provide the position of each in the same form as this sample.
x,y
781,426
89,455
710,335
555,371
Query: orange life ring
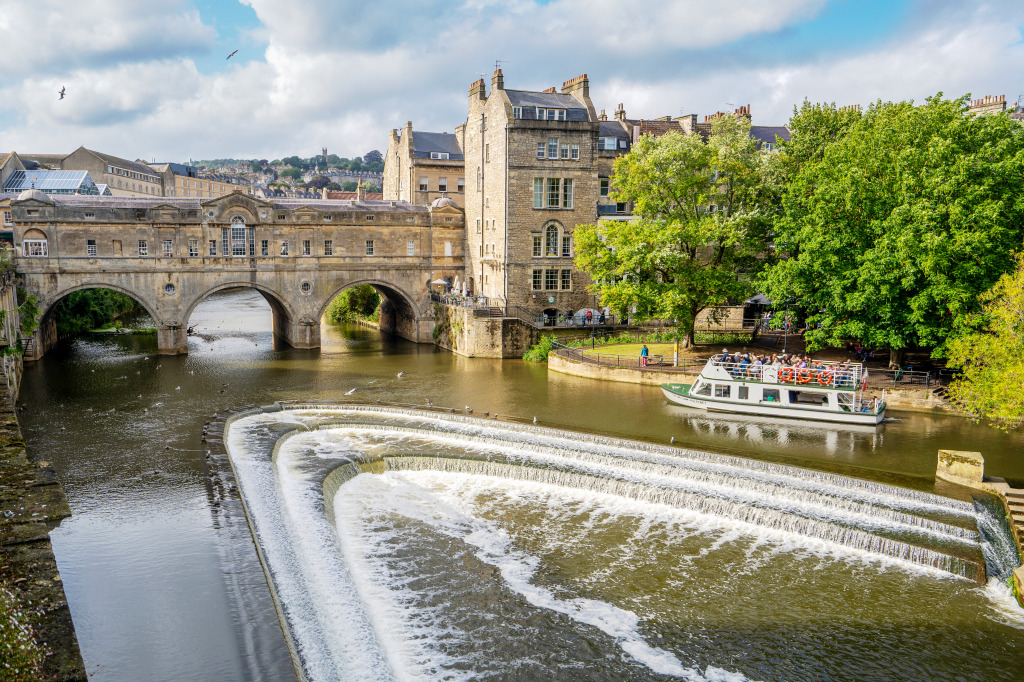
x,y
785,374
825,377
804,376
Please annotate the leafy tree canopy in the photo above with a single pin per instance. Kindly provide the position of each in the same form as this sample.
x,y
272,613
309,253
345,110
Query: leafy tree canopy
x,y
895,220
291,173
991,357
373,156
680,257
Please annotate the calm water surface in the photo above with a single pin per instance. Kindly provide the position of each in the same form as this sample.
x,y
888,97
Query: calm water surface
x,y
163,587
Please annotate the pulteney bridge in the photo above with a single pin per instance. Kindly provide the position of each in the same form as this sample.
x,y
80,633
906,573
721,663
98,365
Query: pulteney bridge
x,y
171,253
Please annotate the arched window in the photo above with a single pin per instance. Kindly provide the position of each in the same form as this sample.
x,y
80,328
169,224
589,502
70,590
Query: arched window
x,y
34,244
238,236
551,240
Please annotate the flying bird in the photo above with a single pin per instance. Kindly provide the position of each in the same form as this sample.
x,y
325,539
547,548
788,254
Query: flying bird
x,y
401,374
231,55
61,93
351,392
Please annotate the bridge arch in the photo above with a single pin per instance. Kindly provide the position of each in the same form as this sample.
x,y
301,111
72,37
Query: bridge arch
x,y
399,312
49,305
278,304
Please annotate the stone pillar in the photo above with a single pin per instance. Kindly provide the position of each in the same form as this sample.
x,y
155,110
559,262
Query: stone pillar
x,y
302,334
961,466
171,339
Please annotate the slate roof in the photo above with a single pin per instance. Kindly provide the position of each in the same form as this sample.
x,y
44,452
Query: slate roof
x,y
124,163
612,129
529,101
658,128
766,134
423,143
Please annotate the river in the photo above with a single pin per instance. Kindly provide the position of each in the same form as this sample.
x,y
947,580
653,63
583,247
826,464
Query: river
x,y
163,586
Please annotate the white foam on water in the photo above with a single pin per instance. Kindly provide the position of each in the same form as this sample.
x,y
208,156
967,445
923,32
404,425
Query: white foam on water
x,y
420,501
1003,605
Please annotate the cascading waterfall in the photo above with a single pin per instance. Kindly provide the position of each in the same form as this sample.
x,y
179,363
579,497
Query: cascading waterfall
x,y
342,576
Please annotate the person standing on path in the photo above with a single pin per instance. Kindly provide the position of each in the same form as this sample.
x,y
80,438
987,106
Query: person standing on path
x,y
643,355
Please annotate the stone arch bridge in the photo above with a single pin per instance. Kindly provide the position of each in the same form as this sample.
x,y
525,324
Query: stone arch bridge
x,y
171,253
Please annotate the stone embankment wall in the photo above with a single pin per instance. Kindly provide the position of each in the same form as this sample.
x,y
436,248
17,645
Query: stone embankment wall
x,y
32,503
471,332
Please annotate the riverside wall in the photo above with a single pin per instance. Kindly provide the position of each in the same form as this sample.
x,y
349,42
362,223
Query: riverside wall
x,y
472,333
32,503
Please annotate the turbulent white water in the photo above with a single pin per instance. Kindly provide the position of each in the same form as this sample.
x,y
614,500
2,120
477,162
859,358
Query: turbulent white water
x,y
480,547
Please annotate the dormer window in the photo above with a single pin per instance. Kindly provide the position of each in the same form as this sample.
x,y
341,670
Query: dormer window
x,y
517,112
550,114
607,144
439,155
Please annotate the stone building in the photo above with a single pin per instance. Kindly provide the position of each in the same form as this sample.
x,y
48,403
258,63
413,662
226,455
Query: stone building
x,y
181,180
123,177
989,104
420,167
532,174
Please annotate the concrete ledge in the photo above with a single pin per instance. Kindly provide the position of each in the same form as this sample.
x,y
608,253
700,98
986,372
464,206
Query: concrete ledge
x,y
961,466
629,375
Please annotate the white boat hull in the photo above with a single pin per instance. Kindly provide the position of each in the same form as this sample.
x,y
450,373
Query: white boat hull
x,y
787,412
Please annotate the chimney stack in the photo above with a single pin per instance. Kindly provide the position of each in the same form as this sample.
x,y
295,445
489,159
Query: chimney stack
x,y
578,87
478,90
620,113
360,192
497,81
603,116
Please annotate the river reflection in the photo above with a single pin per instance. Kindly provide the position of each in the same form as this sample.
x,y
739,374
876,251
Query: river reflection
x,y
163,587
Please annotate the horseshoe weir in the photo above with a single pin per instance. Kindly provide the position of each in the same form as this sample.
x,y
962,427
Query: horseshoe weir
x,y
170,254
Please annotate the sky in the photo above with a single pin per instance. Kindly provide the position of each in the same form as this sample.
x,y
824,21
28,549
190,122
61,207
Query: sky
x,y
152,80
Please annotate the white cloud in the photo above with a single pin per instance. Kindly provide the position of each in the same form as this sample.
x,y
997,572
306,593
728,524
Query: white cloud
x,y
52,36
343,74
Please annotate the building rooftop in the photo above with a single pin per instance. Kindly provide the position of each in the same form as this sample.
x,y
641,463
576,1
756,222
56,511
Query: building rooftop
x,y
112,160
530,101
767,134
423,143
51,182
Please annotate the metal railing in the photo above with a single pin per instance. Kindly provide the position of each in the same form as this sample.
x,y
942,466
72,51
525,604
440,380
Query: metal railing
x,y
905,377
596,357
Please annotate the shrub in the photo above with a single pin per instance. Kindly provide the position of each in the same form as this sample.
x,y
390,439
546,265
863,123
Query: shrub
x,y
539,351
361,301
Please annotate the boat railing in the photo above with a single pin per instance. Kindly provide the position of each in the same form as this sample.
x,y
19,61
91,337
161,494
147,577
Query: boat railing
x,y
827,374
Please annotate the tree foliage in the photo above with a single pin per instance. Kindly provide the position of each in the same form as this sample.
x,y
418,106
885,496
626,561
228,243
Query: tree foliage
x,y
87,309
679,256
991,356
361,300
895,221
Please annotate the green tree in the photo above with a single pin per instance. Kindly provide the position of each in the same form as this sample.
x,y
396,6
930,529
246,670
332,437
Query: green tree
x,y
370,187
355,164
359,301
681,256
349,186
991,356
319,182
294,173
895,221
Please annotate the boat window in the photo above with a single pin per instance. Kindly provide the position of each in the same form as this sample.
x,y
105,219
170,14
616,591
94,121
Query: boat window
x,y
771,395
722,390
703,389
845,401
742,393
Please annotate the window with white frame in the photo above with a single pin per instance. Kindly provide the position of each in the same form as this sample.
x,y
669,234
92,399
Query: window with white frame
x,y
423,183
461,185
369,247
479,226
538,246
606,184
551,240
328,247
538,192
607,144
237,236
442,184
143,247
538,280
90,247
575,154
34,248
551,279
410,248
552,147
439,155
544,114
566,280
264,247
213,247
168,250
541,147
193,248
284,248
8,218
565,150
566,246
307,248
517,112
552,192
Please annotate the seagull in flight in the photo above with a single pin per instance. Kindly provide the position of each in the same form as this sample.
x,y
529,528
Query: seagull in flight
x,y
61,93
231,55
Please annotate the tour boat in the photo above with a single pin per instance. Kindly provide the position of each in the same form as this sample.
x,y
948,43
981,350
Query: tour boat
x,y
827,391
